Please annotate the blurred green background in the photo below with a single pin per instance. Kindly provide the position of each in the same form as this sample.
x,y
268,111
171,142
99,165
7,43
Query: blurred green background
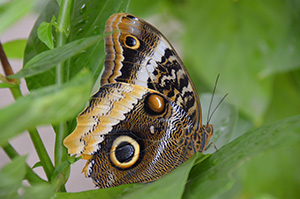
x,y
254,45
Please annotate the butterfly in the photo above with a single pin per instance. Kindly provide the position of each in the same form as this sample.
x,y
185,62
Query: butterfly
x,y
145,119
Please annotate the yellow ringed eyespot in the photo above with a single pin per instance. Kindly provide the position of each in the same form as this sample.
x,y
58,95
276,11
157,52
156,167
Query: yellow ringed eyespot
x,y
124,152
131,42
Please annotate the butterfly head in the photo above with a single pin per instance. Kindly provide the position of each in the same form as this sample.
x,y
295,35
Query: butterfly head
x,y
208,130
205,132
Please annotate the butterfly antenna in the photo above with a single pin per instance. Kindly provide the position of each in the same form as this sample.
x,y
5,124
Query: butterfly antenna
x,y
212,99
216,107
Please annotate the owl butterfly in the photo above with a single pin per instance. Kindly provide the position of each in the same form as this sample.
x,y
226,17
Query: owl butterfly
x,y
145,120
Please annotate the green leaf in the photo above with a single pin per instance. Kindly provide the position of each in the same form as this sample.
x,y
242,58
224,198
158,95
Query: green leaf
x,y
38,164
170,186
52,104
150,190
88,19
60,169
48,59
11,176
7,85
40,191
100,193
272,174
13,11
72,159
213,176
15,48
44,33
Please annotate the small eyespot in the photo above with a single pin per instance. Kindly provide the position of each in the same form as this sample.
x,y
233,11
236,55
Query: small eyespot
x,y
131,17
155,103
131,42
152,130
124,152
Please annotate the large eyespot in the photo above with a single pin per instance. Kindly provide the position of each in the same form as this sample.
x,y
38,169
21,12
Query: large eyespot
x,y
155,104
131,42
124,152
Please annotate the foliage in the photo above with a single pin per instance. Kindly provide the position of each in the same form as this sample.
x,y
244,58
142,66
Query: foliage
x,y
252,44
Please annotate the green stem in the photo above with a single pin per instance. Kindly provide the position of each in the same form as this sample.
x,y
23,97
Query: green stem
x,y
16,92
32,177
37,142
63,24
60,151
42,153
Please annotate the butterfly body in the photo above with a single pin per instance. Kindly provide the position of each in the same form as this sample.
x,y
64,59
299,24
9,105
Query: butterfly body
x,y
145,120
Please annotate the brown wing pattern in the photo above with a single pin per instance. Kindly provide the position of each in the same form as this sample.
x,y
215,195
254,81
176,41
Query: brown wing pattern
x,y
145,120
122,111
151,62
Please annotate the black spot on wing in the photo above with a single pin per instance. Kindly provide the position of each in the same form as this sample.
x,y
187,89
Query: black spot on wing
x,y
169,84
168,53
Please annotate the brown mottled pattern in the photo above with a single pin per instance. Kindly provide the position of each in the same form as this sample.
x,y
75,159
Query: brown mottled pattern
x,y
166,138
161,152
122,65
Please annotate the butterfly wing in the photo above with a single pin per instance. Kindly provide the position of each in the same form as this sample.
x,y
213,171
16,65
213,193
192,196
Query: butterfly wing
x,y
137,53
127,138
145,119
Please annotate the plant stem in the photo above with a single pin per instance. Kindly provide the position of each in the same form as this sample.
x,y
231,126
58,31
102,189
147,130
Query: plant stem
x,y
63,23
35,137
42,153
31,176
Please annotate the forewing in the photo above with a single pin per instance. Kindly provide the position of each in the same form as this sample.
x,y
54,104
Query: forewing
x,y
153,63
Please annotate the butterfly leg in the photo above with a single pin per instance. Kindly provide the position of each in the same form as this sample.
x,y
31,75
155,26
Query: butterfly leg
x,y
211,143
